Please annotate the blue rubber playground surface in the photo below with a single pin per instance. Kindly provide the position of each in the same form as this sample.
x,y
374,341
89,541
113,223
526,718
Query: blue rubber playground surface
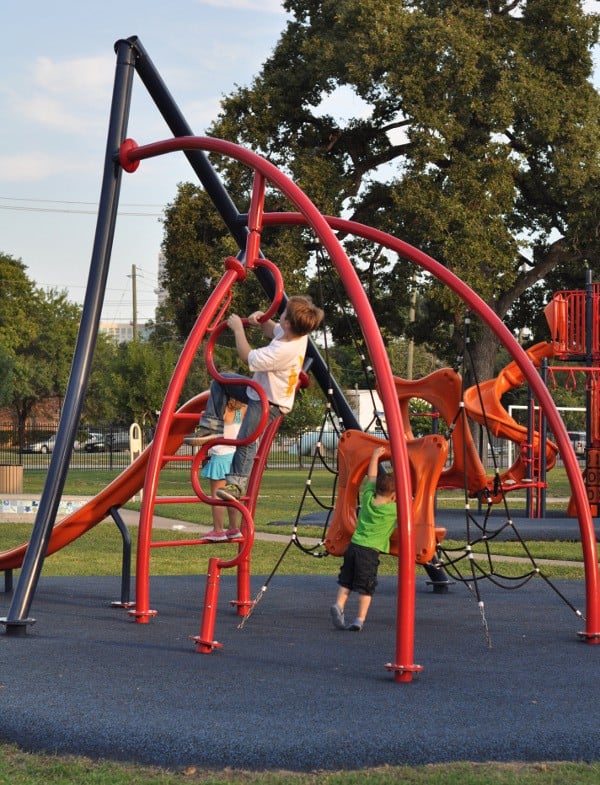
x,y
288,690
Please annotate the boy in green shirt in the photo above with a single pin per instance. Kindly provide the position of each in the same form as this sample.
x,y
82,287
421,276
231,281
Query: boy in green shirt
x,y
376,521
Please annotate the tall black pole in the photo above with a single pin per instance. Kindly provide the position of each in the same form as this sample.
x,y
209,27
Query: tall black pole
x,y
17,620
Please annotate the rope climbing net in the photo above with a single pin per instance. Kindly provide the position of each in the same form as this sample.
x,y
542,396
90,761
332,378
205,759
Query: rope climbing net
x,y
489,526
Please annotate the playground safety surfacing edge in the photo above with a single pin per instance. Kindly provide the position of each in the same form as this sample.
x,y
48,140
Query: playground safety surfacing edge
x,y
290,691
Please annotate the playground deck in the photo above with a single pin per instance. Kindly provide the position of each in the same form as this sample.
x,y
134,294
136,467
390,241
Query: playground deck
x,y
289,691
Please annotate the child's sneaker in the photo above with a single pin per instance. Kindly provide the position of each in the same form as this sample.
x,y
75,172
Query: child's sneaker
x,y
230,493
337,617
201,436
356,626
234,534
215,536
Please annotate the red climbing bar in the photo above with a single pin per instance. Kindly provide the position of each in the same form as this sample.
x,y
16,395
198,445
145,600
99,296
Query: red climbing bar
x,y
255,214
213,307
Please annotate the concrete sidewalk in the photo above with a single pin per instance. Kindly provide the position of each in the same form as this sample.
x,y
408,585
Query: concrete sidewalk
x,y
21,509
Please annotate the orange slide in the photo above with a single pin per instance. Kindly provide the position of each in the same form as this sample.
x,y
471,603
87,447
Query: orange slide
x,y
116,494
483,404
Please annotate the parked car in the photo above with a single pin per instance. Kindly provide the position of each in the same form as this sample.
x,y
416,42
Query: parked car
x,y
103,442
117,440
46,445
94,443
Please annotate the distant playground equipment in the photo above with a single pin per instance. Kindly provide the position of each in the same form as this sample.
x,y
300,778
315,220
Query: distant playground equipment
x,y
418,463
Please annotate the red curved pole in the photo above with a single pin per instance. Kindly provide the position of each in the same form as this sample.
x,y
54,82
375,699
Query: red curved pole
x,y
255,214
130,155
234,272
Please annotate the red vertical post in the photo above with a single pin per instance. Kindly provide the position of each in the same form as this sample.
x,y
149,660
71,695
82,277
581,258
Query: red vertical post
x,y
205,642
592,452
243,602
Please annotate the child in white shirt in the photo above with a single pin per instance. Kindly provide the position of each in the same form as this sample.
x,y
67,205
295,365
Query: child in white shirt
x,y
276,367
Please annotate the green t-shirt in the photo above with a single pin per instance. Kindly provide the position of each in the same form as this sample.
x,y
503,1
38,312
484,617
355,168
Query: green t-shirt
x,y
375,522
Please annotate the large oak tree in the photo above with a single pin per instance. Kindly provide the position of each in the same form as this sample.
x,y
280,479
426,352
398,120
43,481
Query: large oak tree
x,y
470,129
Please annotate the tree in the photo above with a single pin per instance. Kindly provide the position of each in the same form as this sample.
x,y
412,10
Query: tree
x,y
140,378
195,243
100,404
7,377
38,330
474,137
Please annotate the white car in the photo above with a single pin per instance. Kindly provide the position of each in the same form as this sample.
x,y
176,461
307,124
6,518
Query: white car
x,y
47,445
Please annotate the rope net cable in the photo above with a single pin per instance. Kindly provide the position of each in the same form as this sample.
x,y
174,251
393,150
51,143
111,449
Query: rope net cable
x,y
481,532
316,550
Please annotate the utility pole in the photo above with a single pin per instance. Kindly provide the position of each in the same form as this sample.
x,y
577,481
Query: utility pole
x,y
134,300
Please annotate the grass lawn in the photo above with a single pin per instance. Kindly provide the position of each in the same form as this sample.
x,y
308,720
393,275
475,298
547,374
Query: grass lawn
x,y
98,553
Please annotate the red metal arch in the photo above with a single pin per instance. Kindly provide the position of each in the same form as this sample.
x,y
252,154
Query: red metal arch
x,y
130,155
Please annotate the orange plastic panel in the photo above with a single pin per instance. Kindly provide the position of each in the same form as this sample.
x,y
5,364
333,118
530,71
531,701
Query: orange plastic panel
x,y
427,457
443,390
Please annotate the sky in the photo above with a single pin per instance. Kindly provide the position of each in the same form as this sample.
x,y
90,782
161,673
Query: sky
x,y
57,66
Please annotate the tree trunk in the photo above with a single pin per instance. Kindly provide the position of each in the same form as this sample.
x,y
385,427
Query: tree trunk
x,y
480,362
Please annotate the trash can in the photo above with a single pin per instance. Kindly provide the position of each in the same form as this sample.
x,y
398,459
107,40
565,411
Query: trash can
x,y
11,478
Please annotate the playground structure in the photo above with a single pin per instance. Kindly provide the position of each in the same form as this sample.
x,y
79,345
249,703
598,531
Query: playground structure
x,y
419,463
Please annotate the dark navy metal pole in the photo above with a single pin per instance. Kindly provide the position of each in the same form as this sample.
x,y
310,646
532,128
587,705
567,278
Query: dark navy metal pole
x,y
17,620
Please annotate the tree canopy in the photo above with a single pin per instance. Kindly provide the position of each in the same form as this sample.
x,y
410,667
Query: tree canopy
x,y
467,128
38,329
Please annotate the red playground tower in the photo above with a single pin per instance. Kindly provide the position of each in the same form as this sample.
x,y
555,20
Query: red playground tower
x,y
574,320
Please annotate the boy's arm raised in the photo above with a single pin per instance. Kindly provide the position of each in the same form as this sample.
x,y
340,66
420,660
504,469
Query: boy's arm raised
x,y
236,326
374,463
267,327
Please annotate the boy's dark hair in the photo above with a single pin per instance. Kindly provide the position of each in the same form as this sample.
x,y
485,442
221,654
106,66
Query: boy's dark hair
x,y
385,485
302,314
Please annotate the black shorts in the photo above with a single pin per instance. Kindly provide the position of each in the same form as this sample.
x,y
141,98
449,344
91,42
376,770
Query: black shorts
x,y
359,569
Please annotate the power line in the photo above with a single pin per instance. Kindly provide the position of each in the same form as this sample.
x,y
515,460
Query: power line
x,y
33,209
73,212
69,201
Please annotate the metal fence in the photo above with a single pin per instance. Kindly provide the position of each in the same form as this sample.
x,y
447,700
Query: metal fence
x,y
105,447
108,448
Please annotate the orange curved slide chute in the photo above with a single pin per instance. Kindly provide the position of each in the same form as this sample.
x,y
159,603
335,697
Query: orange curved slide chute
x,y
483,404
116,494
427,457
